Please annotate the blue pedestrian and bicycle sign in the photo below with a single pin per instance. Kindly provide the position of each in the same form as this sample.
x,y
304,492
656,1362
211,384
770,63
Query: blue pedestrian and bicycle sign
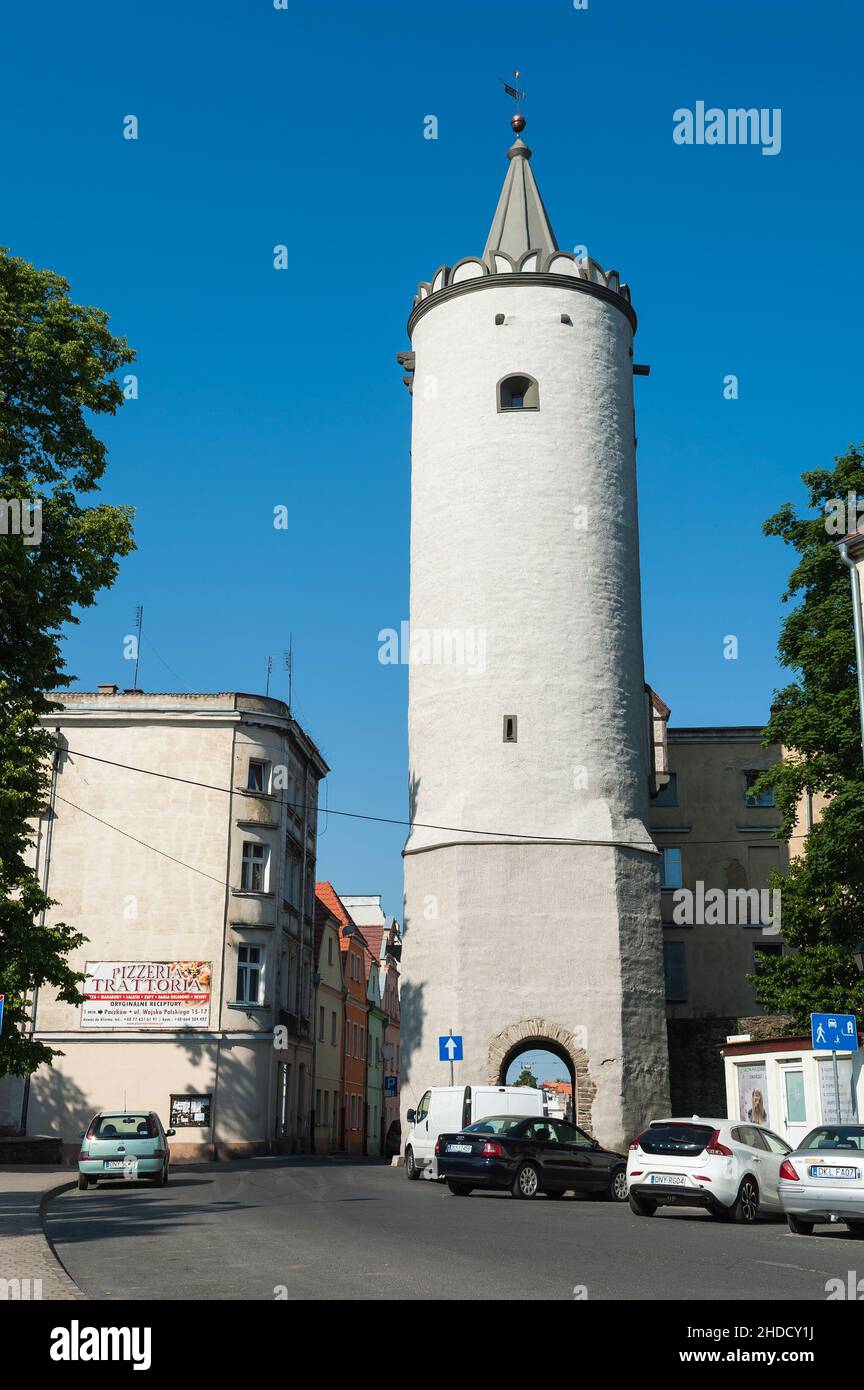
x,y
450,1048
834,1032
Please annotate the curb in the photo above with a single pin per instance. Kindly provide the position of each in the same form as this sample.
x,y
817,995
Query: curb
x,y
47,1197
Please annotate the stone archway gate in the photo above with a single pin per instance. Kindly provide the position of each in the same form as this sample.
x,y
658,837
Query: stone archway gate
x,y
538,1032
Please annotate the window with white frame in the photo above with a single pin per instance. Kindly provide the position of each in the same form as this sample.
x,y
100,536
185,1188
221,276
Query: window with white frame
x,y
250,974
670,868
254,874
258,776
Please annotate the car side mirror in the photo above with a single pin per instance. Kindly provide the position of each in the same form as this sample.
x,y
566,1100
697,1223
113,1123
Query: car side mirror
x,y
83,1134
410,1116
595,1143
169,1133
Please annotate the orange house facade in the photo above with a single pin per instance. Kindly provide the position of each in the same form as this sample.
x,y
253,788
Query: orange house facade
x,y
353,948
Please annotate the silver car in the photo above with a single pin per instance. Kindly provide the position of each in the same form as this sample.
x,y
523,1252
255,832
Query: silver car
x,y
823,1179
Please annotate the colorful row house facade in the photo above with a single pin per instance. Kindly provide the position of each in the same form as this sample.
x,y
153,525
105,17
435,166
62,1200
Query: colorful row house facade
x,y
356,999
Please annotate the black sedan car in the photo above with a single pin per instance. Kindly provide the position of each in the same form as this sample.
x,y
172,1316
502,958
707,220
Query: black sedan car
x,y
527,1155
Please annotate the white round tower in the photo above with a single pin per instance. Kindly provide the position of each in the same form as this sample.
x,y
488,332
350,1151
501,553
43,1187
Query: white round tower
x,y
531,894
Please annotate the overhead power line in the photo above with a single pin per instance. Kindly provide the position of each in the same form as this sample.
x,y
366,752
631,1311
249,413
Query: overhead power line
x,y
420,825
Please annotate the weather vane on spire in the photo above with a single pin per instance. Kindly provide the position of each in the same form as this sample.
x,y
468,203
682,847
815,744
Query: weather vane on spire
x,y
518,121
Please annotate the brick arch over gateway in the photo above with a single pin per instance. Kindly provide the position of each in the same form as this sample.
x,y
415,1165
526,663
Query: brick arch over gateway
x,y
551,1037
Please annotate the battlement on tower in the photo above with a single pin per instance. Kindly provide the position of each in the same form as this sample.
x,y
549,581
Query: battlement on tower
x,y
532,262
498,263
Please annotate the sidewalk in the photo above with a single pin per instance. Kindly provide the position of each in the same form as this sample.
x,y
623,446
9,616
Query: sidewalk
x,y
29,1268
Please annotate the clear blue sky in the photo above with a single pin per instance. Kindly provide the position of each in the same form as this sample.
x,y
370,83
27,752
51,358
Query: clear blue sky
x,y
260,388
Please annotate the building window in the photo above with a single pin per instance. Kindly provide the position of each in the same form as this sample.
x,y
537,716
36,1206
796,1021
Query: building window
x,y
293,874
320,1022
764,798
329,950
675,971
668,795
318,1116
670,868
254,875
765,948
347,1039
362,1042
258,776
355,1040
333,1028
250,974
518,393
510,728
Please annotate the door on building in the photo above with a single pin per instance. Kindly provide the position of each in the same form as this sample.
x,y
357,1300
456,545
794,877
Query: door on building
x,y
794,1098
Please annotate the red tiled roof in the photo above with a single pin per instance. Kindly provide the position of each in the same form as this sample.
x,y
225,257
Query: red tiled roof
x,y
374,936
326,894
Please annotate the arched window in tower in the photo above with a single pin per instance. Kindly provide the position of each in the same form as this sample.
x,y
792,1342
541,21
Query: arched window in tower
x,y
518,393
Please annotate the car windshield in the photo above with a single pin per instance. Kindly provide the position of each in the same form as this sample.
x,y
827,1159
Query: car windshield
x,y
125,1127
834,1137
496,1124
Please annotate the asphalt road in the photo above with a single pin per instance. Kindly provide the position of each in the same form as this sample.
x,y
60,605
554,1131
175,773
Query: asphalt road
x,y
323,1228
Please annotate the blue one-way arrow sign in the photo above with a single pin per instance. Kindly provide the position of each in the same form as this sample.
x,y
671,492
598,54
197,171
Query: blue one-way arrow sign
x,y
2,1001
834,1032
450,1048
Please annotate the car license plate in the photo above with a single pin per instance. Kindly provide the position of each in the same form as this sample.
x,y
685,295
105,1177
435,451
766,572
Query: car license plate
x,y
131,1163
669,1179
458,1148
824,1170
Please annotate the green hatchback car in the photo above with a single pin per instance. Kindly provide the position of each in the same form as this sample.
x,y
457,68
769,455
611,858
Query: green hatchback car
x,y
124,1144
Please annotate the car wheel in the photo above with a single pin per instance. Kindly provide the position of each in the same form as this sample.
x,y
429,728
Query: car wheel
x,y
83,1183
746,1207
459,1189
799,1227
617,1189
526,1184
640,1207
412,1172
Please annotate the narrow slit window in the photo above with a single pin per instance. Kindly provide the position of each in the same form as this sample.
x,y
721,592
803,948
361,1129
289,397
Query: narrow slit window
x,y
510,728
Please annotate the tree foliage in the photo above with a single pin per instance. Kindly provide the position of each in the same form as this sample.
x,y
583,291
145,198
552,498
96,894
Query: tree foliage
x,y
57,364
816,720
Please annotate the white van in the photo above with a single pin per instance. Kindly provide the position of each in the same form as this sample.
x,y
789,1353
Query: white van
x,y
446,1109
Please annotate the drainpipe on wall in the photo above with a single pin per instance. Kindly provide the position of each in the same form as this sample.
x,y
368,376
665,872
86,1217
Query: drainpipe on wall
x,y
859,635
49,835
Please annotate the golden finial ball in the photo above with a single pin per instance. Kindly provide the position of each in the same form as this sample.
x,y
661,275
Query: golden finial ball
x,y
518,124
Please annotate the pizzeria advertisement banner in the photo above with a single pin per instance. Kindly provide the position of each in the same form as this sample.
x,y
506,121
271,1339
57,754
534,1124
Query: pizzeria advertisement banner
x,y
146,994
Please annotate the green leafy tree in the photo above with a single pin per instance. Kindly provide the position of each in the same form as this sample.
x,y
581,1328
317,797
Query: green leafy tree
x,y
526,1077
816,719
57,363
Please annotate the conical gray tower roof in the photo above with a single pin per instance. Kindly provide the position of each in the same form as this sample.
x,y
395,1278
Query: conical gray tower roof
x,y
521,222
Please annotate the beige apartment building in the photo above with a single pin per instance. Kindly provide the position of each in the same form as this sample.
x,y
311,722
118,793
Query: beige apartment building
x,y
713,834
180,838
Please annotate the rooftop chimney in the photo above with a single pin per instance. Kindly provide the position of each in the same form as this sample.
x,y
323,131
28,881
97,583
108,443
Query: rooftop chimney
x,y
107,689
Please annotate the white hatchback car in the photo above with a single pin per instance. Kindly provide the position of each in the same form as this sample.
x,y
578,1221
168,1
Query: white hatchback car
x,y
730,1168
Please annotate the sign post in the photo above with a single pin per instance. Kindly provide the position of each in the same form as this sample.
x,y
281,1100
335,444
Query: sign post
x,y
2,1002
834,1031
450,1050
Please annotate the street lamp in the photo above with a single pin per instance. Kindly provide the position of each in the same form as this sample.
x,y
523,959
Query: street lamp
x,y
852,554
